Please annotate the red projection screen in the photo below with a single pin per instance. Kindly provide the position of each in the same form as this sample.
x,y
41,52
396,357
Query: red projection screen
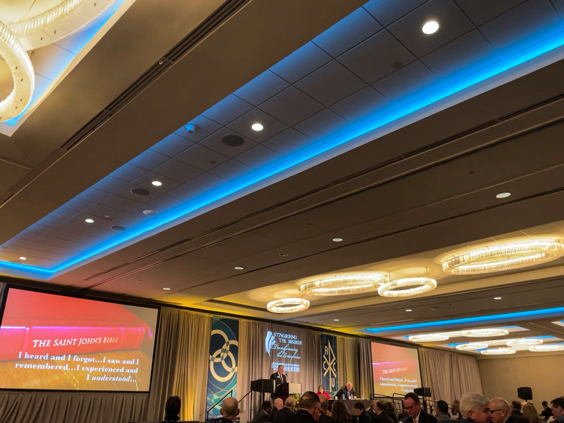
x,y
61,343
395,369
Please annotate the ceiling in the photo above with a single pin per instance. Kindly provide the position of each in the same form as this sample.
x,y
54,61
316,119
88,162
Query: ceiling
x,y
393,140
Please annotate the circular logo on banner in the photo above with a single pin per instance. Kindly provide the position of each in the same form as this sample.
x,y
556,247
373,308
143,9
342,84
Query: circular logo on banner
x,y
223,357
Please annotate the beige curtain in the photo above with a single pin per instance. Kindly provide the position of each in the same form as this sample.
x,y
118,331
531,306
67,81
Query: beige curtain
x,y
347,362
181,363
365,367
449,375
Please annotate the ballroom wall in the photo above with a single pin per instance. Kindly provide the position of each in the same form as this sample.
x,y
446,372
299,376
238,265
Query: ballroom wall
x,y
543,373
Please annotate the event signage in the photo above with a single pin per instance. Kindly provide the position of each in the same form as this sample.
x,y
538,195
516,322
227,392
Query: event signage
x,y
329,369
224,357
284,348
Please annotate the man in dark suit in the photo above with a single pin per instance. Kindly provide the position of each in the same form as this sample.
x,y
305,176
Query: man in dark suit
x,y
279,377
346,392
286,415
378,409
309,409
278,405
361,415
263,415
229,410
442,415
412,406
500,412
172,409
547,411
516,408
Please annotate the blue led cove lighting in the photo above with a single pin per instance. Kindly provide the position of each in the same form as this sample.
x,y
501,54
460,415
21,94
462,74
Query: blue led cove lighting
x,y
487,318
301,156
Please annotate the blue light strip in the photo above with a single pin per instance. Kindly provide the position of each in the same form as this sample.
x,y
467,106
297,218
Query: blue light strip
x,y
304,155
491,317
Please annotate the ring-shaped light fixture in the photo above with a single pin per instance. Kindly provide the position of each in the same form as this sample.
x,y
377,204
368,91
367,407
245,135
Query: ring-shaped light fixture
x,y
407,287
58,22
524,342
498,351
546,348
288,305
21,68
505,256
429,337
344,284
478,333
472,346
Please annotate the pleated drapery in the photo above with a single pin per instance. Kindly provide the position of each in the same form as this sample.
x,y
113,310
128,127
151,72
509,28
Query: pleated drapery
x,y
365,367
347,361
449,375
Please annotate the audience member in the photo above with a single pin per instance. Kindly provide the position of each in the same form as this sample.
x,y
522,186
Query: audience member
x,y
531,413
442,413
456,409
379,412
321,391
547,411
340,413
286,415
391,411
278,405
558,409
263,415
346,392
229,410
361,414
172,409
500,412
309,408
412,406
516,408
325,416
474,408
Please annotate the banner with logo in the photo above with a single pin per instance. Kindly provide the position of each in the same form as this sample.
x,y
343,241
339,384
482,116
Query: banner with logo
x,y
284,348
224,358
329,370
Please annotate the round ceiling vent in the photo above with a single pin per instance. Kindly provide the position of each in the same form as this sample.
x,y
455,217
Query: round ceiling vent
x,y
118,228
233,140
140,192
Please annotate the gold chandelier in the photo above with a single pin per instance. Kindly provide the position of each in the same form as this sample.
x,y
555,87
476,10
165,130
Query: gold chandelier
x,y
344,284
407,287
498,351
505,256
546,348
477,333
472,346
288,305
429,337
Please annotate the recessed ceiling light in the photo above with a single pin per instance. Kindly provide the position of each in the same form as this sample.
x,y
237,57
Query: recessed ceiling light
x,y
238,268
497,298
166,289
409,310
257,127
503,195
337,239
23,258
430,27
335,320
157,183
89,220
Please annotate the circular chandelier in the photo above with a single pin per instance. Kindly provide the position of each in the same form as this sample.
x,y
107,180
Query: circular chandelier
x,y
472,346
344,284
16,38
407,287
288,305
546,348
477,333
524,342
429,337
498,351
505,256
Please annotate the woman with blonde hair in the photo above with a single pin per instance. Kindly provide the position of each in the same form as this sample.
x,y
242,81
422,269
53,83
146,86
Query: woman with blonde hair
x,y
531,413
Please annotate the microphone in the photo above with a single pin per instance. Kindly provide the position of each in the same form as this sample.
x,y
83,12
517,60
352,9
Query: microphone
x,y
288,377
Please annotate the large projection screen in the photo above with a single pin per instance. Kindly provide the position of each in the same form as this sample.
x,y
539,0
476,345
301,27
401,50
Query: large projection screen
x,y
395,369
55,342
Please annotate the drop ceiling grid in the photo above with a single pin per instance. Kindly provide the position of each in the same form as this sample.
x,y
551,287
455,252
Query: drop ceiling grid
x,y
319,91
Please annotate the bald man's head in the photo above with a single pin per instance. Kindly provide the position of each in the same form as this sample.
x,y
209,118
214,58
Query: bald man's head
x,y
278,403
230,408
499,410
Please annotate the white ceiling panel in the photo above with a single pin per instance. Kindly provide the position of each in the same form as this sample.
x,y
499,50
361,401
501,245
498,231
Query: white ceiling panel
x,y
149,160
228,109
322,124
214,142
291,106
172,145
201,157
387,12
177,170
360,104
206,181
243,125
230,170
301,63
288,141
261,88
481,11
258,156
204,127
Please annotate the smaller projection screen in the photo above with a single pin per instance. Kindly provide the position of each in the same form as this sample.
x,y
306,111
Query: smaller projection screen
x,y
61,343
395,369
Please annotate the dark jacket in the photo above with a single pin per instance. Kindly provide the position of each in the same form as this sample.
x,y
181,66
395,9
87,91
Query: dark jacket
x,y
546,413
364,418
285,415
279,378
303,416
423,418
517,413
393,417
514,418
324,418
347,394
382,418
261,416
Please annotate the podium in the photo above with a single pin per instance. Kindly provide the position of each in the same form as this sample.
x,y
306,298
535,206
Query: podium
x,y
284,390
